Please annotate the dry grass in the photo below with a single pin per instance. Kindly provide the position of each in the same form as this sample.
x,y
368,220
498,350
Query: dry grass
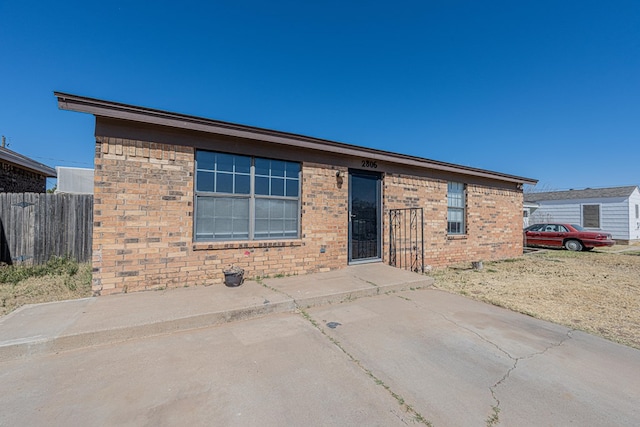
x,y
597,292
60,279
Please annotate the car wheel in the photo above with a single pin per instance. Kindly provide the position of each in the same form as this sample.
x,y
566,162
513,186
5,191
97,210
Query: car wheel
x,y
573,245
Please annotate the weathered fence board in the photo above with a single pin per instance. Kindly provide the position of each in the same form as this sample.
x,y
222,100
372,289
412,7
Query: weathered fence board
x,y
35,227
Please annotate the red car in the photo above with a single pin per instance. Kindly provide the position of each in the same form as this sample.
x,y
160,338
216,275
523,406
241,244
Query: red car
x,y
571,236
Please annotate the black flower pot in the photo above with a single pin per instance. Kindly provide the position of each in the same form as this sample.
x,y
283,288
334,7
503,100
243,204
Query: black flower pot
x,y
233,278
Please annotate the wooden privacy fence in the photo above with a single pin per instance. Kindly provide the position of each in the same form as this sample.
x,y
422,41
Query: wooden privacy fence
x,y
34,227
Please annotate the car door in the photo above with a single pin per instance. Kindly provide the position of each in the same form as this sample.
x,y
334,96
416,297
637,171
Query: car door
x,y
553,235
549,235
563,232
533,235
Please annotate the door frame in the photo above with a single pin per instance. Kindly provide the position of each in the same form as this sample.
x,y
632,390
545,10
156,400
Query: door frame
x,y
379,226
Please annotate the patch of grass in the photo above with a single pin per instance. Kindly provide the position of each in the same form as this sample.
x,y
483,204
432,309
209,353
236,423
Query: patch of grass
x,y
55,267
493,419
59,279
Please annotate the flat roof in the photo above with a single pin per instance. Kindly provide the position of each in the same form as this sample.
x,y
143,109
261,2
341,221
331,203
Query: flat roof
x,y
26,163
115,110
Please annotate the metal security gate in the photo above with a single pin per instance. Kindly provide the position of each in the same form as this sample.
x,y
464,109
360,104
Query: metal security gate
x,y
406,239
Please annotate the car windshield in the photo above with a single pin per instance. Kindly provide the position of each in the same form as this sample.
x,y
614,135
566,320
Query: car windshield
x,y
577,227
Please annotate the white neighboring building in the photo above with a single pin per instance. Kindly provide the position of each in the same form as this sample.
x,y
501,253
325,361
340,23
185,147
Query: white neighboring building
x,y
74,180
616,210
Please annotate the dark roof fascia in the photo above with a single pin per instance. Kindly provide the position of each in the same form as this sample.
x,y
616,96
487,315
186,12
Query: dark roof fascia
x,y
587,193
26,163
121,111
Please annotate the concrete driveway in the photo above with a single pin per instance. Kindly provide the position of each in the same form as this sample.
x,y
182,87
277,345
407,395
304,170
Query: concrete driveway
x,y
460,362
411,357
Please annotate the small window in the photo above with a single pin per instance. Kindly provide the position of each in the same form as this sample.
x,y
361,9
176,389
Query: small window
x,y
591,216
455,208
637,211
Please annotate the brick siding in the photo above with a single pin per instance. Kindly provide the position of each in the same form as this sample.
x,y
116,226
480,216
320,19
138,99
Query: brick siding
x,y
17,180
143,221
143,224
493,219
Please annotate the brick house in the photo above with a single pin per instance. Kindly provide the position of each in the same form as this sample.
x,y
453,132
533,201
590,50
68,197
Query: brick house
x,y
20,174
178,198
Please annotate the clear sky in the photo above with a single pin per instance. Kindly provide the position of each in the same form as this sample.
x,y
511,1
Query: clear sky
x,y
543,89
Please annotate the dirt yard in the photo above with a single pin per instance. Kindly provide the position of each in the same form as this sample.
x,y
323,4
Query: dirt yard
x,y
597,292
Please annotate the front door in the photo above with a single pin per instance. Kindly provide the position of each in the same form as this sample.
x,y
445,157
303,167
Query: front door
x,y
365,225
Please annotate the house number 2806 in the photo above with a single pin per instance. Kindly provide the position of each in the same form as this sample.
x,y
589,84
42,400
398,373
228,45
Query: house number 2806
x,y
369,164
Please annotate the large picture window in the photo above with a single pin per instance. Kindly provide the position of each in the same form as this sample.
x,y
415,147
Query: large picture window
x,y
245,198
455,208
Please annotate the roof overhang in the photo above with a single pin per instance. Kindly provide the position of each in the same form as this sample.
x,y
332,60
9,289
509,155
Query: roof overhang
x,y
114,110
26,163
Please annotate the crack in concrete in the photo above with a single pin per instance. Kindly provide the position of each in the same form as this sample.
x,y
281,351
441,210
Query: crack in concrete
x,y
366,281
493,419
408,408
403,404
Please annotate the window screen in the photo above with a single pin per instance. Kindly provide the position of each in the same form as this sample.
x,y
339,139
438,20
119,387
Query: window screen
x,y
455,208
245,198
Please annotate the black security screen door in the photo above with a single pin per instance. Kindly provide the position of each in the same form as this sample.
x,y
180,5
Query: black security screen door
x,y
364,216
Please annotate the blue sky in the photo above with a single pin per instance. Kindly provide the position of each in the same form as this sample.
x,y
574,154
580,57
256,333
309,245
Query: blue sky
x,y
543,89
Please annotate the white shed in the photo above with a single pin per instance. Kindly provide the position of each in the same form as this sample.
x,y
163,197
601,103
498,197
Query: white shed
x,y
616,210
74,180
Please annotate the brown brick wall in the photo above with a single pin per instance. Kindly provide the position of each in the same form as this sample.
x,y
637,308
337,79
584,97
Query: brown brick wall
x,y
494,219
324,216
143,199
143,223
17,180
143,229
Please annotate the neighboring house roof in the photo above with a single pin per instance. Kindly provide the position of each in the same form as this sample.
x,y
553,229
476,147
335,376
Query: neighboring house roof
x,y
181,121
25,162
587,193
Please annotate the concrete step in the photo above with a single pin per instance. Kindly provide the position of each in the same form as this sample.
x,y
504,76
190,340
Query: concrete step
x,y
68,325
